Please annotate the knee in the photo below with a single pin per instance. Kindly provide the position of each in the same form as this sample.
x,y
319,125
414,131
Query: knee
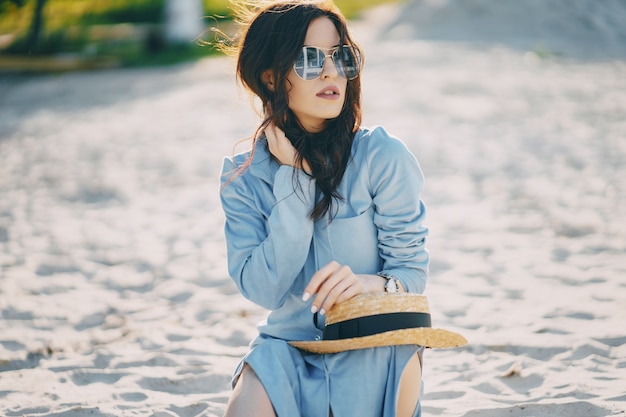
x,y
249,397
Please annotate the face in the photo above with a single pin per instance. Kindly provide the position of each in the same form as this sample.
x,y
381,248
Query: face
x,y
315,101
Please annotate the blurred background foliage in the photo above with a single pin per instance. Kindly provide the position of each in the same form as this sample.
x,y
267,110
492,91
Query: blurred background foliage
x,y
130,31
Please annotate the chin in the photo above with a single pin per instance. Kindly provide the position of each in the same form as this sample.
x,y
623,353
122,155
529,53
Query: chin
x,y
332,114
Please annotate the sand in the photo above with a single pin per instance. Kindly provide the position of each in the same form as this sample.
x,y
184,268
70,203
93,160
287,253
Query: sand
x,y
114,294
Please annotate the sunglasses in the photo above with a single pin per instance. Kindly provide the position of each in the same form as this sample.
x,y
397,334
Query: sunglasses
x,y
310,63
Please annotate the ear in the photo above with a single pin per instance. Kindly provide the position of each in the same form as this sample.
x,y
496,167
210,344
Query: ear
x,y
268,79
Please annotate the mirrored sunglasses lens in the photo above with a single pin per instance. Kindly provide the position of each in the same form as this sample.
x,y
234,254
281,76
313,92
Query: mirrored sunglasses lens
x,y
310,63
348,62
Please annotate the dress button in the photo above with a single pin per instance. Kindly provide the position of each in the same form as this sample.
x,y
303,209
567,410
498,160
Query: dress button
x,y
318,337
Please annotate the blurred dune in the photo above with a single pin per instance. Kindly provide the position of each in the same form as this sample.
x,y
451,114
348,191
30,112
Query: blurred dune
x,y
581,29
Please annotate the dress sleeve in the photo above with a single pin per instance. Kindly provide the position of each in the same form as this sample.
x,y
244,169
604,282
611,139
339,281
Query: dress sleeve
x,y
396,183
266,253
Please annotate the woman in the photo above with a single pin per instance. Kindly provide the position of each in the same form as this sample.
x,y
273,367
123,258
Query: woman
x,y
318,211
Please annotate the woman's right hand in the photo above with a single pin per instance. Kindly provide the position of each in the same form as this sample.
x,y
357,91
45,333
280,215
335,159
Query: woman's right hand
x,y
283,150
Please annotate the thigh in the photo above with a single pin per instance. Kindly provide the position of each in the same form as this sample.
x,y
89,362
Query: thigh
x,y
249,397
409,388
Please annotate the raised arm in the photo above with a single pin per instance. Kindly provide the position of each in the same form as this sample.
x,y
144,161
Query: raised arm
x,y
267,242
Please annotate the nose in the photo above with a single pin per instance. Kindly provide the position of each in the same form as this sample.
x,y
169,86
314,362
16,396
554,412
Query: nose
x,y
330,69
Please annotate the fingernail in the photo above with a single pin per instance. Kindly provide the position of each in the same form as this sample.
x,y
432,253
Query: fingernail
x,y
306,296
313,309
322,312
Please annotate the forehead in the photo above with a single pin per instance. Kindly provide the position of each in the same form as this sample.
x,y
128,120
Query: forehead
x,y
322,32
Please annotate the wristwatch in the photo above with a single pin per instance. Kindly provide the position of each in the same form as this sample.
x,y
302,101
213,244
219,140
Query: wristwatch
x,y
392,284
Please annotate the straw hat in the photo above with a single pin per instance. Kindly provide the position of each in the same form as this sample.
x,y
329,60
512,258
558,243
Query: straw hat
x,y
380,319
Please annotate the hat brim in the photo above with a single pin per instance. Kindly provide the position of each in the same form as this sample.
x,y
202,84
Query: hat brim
x,y
427,337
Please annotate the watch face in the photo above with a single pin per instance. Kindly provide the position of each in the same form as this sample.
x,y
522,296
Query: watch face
x,y
391,285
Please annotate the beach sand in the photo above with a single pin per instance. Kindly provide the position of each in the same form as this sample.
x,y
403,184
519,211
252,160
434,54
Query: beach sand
x,y
114,294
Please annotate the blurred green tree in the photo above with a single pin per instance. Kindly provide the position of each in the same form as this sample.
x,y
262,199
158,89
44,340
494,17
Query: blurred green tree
x,y
36,25
4,4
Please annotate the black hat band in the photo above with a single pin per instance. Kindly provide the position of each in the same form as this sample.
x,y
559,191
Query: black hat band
x,y
371,325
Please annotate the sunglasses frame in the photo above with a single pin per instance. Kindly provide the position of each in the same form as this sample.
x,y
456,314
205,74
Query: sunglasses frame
x,y
337,61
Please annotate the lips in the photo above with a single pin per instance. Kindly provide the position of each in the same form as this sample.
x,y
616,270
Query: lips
x,y
329,92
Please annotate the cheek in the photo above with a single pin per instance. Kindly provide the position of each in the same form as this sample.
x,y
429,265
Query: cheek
x,y
344,86
298,94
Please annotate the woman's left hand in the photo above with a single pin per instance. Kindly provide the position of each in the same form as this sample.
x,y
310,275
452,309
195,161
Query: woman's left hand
x,y
283,150
335,283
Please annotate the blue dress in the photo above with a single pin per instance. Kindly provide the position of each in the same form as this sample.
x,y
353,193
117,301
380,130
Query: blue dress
x,y
274,248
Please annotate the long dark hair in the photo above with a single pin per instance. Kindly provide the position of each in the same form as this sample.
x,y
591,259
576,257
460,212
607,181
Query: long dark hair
x,y
272,39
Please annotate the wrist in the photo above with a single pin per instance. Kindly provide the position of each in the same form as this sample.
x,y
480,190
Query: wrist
x,y
373,283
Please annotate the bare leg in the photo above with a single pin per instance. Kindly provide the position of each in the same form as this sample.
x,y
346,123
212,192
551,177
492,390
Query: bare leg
x,y
249,397
410,386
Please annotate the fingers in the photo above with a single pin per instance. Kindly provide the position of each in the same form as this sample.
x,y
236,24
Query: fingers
x,y
279,145
274,135
318,278
282,148
332,284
